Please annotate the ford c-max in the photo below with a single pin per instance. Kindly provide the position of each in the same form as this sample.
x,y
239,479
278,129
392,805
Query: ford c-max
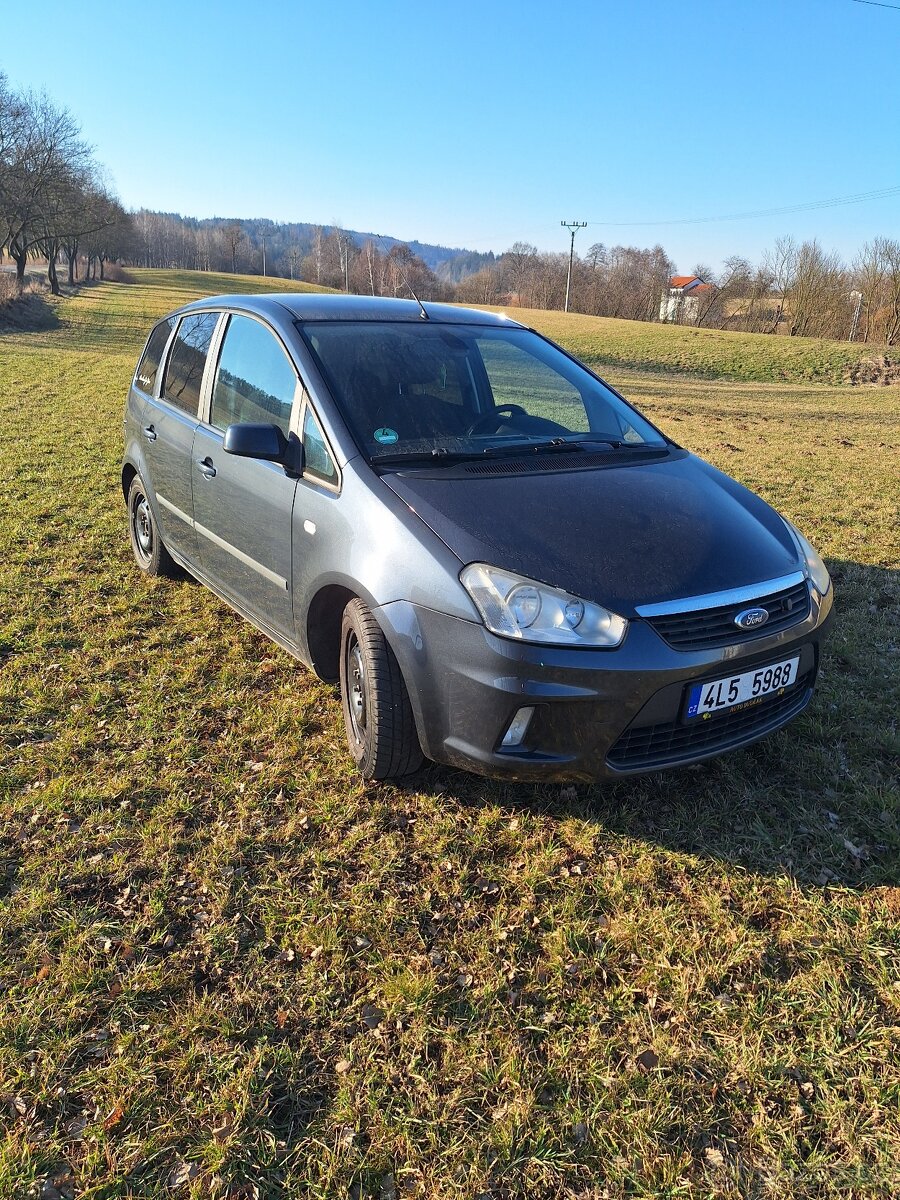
x,y
506,567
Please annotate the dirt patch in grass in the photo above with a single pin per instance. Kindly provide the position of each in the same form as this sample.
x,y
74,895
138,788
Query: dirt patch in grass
x,y
879,369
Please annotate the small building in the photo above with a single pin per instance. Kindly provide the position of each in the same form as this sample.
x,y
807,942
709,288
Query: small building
x,y
681,302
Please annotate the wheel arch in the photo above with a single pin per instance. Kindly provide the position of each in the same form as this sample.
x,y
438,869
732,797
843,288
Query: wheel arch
x,y
323,627
129,470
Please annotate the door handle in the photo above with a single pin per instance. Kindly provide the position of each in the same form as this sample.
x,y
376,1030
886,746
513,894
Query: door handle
x,y
150,433
206,468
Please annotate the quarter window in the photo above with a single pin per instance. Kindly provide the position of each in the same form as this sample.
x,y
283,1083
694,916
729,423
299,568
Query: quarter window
x,y
148,367
255,381
317,460
184,372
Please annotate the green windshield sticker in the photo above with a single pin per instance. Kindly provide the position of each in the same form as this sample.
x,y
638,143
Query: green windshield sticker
x,y
386,436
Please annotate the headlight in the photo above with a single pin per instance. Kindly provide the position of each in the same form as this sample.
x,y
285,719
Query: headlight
x,y
815,568
514,607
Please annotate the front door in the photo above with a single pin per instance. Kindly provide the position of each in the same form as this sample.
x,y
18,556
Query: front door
x,y
242,506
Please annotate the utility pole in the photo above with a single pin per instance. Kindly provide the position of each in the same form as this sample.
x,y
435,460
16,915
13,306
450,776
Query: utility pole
x,y
573,227
344,244
857,297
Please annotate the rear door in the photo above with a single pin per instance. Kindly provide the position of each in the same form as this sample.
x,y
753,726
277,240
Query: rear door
x,y
169,424
242,506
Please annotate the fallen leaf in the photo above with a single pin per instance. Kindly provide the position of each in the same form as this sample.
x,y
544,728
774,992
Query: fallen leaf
x,y
114,1116
183,1173
372,1016
342,1066
714,1158
225,1126
487,887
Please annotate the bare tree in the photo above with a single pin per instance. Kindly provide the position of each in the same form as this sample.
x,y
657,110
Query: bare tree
x,y
876,274
42,154
234,235
779,264
818,291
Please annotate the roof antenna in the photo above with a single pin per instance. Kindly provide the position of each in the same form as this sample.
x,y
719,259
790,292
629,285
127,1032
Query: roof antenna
x,y
422,310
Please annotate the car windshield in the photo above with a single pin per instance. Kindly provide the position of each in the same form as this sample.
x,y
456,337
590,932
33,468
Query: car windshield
x,y
438,389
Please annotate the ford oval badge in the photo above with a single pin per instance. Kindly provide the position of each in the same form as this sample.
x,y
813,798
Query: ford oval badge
x,y
751,618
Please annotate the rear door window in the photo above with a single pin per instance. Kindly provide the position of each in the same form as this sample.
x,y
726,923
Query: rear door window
x,y
255,380
148,367
187,359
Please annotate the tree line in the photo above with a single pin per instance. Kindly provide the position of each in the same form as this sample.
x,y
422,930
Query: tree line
x,y
798,289
55,205
54,201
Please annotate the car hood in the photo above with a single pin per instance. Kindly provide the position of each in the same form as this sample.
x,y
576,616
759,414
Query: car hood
x,y
621,535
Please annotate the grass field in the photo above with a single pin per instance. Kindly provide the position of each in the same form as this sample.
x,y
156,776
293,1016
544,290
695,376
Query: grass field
x,y
605,342
228,969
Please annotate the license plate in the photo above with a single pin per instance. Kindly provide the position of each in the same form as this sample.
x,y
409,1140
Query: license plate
x,y
740,691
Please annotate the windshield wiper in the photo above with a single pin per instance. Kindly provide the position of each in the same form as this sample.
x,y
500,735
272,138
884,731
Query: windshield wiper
x,y
441,457
619,444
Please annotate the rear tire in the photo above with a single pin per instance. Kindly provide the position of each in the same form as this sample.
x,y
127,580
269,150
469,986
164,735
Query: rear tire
x,y
381,730
146,544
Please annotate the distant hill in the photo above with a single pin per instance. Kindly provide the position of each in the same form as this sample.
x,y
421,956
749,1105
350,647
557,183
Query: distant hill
x,y
450,263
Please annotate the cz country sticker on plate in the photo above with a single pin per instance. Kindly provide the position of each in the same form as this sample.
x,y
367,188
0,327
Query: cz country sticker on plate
x,y
740,691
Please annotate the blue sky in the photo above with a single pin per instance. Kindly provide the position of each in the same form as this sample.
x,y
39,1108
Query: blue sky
x,y
481,123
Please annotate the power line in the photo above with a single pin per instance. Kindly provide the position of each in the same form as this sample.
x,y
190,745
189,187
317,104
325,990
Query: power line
x,y
878,4
809,206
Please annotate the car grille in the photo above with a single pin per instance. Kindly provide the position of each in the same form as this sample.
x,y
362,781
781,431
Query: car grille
x,y
716,627
674,742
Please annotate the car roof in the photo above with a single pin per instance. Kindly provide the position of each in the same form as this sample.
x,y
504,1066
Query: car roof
x,y
318,306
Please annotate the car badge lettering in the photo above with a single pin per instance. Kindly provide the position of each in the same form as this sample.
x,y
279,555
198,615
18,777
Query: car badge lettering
x,y
751,618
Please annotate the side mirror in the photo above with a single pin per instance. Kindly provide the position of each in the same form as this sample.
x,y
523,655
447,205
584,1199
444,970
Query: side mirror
x,y
251,440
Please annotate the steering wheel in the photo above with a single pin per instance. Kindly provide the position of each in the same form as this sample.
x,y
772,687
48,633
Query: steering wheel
x,y
482,424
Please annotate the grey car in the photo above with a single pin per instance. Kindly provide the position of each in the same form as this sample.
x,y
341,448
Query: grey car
x,y
506,567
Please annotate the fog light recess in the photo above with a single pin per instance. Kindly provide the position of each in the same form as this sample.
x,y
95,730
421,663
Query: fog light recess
x,y
518,727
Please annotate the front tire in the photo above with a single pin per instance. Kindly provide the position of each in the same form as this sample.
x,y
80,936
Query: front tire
x,y
146,544
381,730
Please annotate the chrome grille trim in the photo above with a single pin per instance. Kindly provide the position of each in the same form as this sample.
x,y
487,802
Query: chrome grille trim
x,y
720,599
716,627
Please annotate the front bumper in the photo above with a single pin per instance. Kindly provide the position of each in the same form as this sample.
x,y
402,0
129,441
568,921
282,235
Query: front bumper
x,y
598,713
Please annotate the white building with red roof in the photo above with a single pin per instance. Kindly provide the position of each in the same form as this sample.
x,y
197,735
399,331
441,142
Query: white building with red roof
x,y
681,303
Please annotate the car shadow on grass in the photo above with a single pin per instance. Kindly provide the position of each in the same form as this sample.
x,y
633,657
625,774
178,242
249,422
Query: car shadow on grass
x,y
817,801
